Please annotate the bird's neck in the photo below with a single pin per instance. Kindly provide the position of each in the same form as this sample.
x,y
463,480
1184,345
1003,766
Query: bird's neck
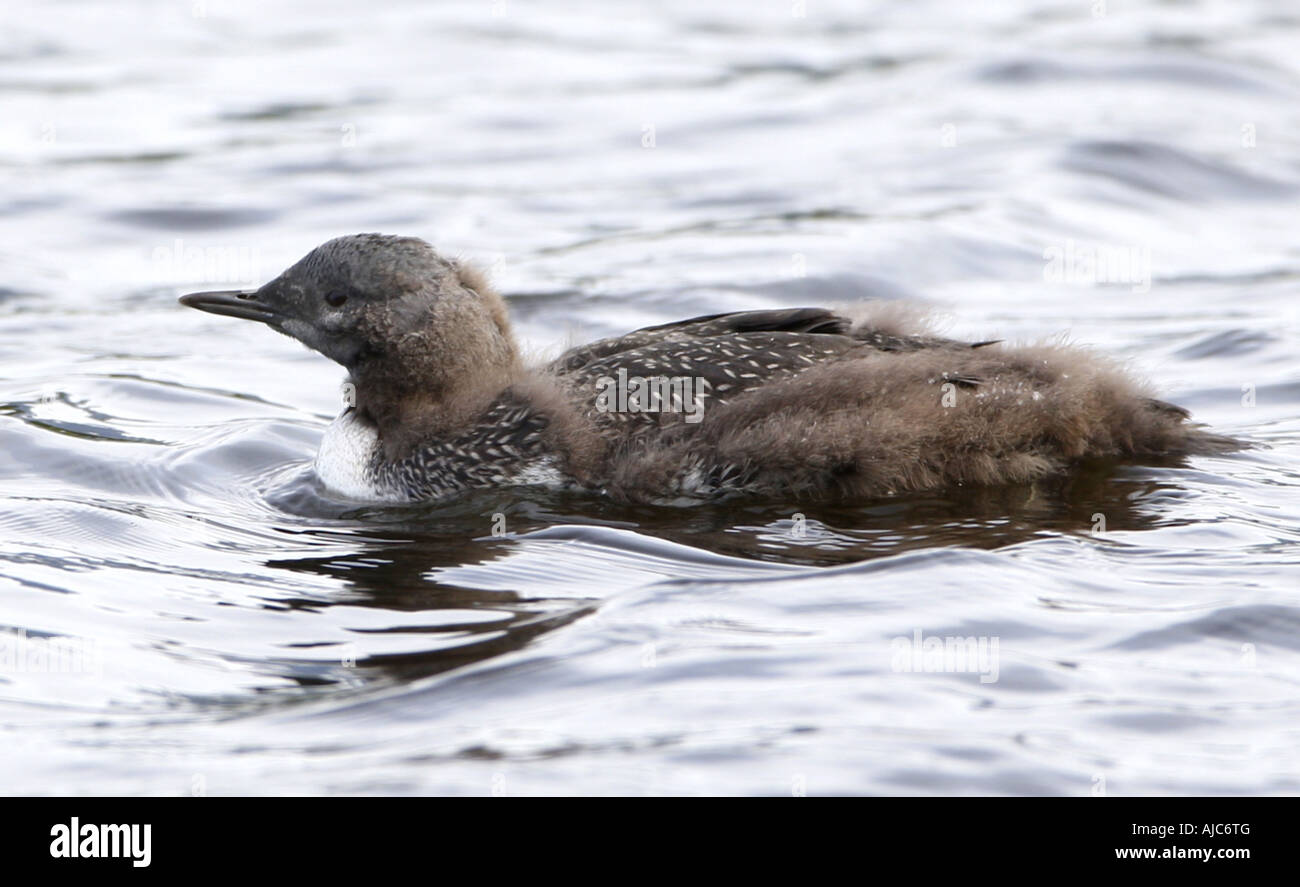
x,y
409,409
436,378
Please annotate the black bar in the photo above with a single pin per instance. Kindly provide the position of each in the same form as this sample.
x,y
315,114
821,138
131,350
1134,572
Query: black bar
x,y
236,835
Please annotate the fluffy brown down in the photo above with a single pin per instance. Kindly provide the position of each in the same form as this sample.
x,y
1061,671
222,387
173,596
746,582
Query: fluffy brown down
x,y
882,422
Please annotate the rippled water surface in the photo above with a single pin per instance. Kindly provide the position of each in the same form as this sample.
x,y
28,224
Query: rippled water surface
x,y
235,630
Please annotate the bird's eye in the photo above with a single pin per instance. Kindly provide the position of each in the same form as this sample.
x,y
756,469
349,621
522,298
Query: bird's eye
x,y
336,299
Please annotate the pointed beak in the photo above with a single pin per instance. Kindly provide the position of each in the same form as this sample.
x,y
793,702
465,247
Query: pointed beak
x,y
248,304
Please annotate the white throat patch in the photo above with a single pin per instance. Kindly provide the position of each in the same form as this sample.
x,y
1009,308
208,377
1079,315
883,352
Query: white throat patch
x,y
343,461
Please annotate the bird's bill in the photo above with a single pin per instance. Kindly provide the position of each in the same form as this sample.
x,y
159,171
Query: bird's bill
x,y
247,304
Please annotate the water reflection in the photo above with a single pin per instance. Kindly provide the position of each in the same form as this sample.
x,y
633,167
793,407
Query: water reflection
x,y
457,626
398,565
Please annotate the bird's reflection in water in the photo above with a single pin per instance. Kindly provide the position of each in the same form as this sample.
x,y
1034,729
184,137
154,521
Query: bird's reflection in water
x,y
393,576
398,549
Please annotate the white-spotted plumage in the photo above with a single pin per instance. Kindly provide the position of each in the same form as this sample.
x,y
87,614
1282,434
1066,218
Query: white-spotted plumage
x,y
349,464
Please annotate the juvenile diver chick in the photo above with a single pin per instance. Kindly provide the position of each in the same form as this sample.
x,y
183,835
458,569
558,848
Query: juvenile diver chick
x,y
801,403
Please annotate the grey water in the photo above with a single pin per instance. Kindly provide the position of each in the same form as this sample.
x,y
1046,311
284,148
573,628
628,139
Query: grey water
x,y
184,611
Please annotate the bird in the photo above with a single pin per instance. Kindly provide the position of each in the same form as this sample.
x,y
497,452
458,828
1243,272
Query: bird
x,y
806,403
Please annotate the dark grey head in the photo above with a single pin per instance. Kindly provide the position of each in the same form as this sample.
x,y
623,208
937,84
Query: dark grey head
x,y
412,327
356,298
